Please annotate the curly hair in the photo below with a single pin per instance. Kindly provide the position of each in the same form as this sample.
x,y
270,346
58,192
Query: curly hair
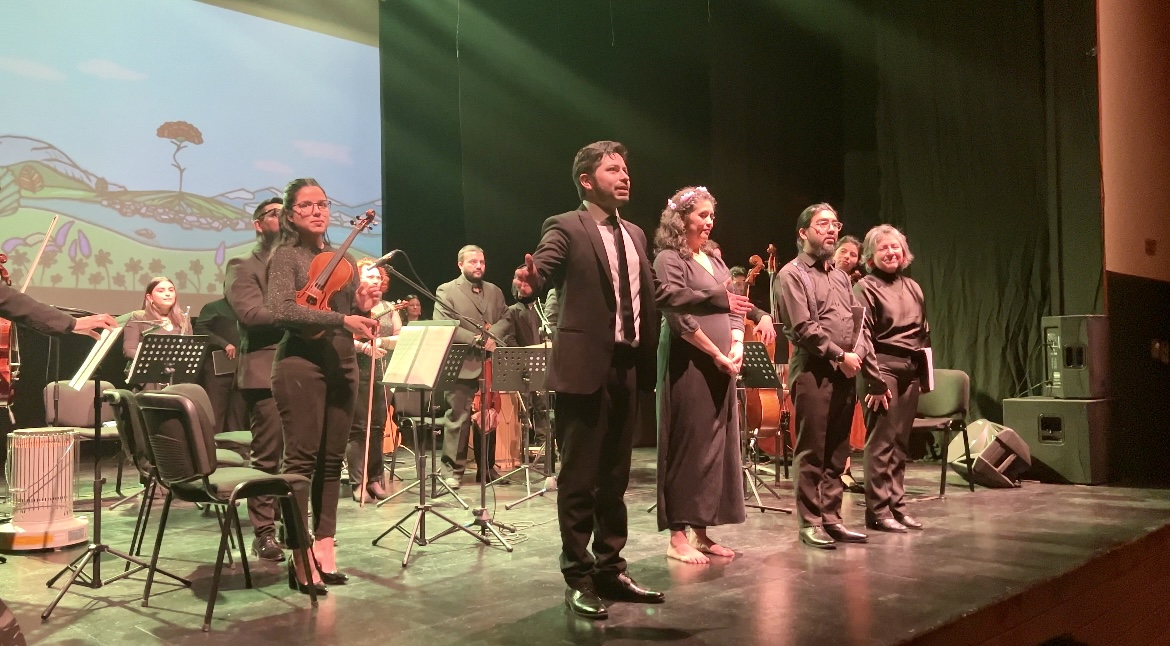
x,y
672,224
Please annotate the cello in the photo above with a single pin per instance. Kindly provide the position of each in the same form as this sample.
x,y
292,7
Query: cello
x,y
9,343
763,404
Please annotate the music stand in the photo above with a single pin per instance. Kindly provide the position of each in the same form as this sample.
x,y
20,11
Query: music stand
x,y
424,360
757,372
93,553
523,371
167,359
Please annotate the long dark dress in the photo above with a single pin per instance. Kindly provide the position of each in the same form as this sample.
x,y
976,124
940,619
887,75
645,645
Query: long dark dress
x,y
700,482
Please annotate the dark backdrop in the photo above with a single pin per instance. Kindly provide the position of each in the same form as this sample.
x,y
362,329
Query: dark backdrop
x,y
971,125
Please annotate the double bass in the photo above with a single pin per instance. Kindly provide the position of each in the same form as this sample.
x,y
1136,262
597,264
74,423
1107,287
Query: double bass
x,y
763,404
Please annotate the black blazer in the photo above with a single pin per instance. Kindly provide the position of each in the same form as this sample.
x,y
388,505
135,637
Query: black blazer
x,y
217,320
29,312
571,258
246,287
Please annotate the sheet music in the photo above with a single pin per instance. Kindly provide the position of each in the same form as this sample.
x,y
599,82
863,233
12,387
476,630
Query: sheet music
x,y
927,370
405,352
96,354
431,352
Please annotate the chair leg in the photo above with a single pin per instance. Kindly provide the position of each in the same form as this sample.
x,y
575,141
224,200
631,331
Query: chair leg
x,y
118,482
214,592
234,519
138,528
967,453
946,441
148,500
219,518
162,525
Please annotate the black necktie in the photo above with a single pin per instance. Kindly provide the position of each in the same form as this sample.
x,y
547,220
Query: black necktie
x,y
626,300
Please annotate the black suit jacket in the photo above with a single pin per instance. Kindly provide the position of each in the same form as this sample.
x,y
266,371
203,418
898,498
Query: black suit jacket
x,y
28,311
571,258
246,287
217,320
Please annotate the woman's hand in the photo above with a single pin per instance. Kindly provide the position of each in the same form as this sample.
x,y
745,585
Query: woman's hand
x,y
361,327
736,355
878,402
726,365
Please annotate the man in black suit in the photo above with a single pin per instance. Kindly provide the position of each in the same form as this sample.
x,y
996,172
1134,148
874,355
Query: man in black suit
x,y
218,322
469,296
246,286
603,353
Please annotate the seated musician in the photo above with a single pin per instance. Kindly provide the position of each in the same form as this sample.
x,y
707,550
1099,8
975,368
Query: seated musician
x,y
160,314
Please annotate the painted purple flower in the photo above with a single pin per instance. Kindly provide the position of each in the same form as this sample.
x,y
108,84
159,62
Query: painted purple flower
x,y
83,243
63,235
73,250
11,244
220,252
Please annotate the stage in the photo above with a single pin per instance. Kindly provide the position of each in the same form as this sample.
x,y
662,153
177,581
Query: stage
x,y
1015,566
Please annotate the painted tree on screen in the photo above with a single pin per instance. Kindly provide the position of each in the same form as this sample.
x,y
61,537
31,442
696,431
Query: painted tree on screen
x,y
180,133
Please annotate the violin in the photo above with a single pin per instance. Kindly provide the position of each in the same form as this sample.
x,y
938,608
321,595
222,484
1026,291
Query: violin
x,y
495,402
330,271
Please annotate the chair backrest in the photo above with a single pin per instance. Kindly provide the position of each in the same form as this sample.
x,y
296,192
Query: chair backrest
x,y
951,396
65,406
131,429
411,403
184,450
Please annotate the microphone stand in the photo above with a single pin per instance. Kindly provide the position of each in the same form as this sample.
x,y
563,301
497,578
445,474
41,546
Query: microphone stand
x,y
481,518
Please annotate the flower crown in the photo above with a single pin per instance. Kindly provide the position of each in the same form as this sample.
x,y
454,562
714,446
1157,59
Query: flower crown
x,y
685,199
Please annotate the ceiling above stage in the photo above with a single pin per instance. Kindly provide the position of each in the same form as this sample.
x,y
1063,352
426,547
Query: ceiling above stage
x,y
355,20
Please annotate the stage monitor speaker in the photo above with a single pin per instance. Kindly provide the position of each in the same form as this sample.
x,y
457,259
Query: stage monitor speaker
x,y
999,457
1067,437
1076,356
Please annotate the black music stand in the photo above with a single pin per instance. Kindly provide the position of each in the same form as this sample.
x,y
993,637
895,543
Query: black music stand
x,y
523,371
425,360
167,359
93,553
757,372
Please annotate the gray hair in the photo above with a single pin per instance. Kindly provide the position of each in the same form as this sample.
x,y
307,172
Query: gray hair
x,y
869,247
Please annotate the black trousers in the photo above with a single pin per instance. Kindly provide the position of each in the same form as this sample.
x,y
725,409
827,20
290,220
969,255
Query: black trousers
x,y
355,451
889,439
267,447
459,428
314,383
226,400
823,398
598,436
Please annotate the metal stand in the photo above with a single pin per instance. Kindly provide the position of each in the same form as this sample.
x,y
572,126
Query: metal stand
x,y
481,517
548,450
93,553
521,371
757,372
413,344
434,476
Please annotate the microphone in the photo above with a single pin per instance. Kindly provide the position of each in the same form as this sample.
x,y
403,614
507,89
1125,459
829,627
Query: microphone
x,y
385,260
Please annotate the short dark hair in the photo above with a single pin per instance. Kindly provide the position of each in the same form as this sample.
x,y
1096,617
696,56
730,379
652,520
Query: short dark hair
x,y
589,158
265,204
737,271
805,219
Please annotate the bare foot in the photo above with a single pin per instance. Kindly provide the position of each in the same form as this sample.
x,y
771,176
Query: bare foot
x,y
706,545
686,554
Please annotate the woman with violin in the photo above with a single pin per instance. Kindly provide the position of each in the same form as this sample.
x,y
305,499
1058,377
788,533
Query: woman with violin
x,y
366,468
313,294
700,482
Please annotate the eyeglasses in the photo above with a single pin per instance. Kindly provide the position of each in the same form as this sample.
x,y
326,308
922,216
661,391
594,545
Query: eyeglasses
x,y
270,213
308,206
825,225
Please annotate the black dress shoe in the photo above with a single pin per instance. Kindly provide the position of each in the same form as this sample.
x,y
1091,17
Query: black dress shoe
x,y
815,536
623,588
303,588
908,521
886,525
586,603
265,547
841,534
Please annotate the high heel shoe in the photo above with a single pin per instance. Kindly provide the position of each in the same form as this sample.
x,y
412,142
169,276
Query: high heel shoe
x,y
303,588
331,578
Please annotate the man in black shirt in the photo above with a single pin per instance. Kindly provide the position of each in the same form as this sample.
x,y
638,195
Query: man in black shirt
x,y
823,320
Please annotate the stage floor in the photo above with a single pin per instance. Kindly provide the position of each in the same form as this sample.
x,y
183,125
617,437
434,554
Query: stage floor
x,y
978,548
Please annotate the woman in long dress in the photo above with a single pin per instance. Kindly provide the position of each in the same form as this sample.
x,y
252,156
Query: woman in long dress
x,y
700,482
